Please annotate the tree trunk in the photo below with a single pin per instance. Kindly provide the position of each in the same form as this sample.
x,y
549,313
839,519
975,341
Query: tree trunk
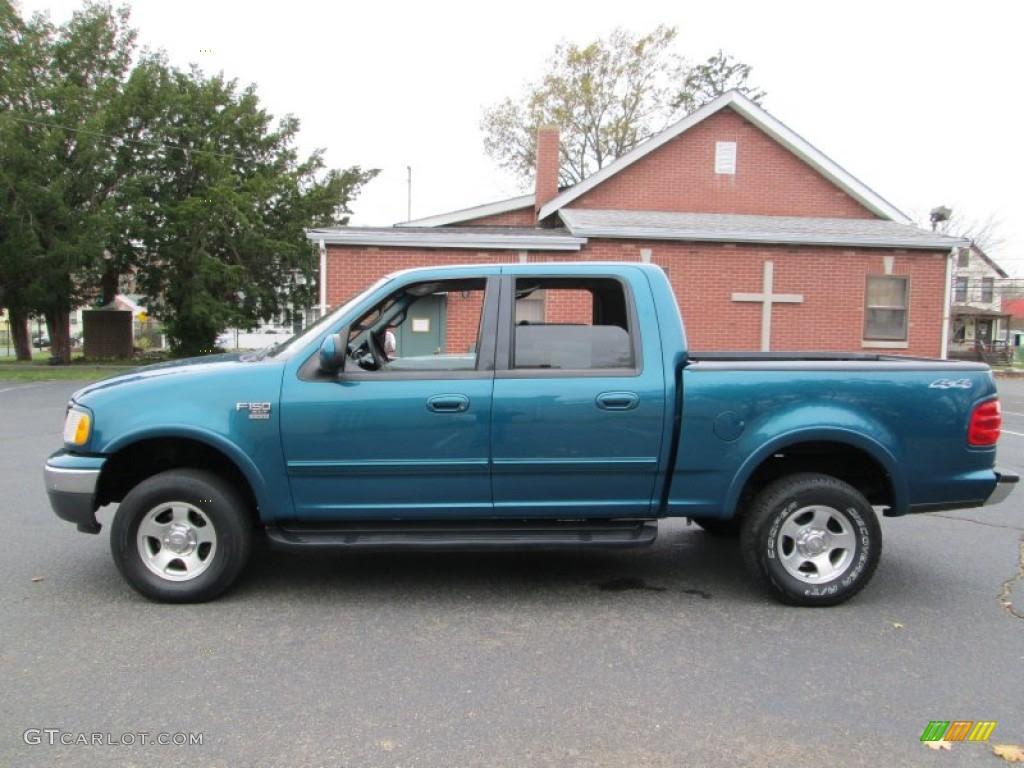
x,y
19,334
59,325
108,284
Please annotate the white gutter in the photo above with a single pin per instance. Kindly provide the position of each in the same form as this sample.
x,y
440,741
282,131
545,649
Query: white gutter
x,y
767,238
323,278
948,296
465,238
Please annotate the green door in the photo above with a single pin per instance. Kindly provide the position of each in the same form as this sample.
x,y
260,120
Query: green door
x,y
424,330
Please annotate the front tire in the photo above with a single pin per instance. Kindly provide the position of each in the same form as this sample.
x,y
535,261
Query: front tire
x,y
181,536
811,539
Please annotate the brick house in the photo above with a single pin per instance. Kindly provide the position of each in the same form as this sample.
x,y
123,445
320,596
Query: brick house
x,y
769,244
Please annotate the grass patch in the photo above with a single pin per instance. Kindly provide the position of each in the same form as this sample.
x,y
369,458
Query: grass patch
x,y
41,370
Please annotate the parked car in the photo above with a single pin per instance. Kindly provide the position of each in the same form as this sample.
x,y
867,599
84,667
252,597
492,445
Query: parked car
x,y
582,431
39,342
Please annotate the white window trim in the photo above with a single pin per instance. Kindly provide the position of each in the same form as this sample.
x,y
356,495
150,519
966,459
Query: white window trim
x,y
889,343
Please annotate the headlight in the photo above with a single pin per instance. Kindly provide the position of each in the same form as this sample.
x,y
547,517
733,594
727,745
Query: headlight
x,y
77,427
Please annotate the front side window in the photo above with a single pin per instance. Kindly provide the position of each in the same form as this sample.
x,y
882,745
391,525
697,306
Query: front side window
x,y
572,324
429,326
885,317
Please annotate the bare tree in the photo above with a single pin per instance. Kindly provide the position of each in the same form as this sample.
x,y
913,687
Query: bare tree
x,y
606,97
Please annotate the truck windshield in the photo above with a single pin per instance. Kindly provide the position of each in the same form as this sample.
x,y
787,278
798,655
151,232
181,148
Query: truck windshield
x,y
289,347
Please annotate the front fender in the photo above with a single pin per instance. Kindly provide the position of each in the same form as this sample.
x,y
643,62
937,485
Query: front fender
x,y
272,502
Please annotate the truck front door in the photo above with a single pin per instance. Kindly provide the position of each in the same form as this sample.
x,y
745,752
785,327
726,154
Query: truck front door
x,y
406,437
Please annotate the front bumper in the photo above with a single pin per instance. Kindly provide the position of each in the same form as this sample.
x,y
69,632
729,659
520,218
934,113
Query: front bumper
x,y
71,485
1005,483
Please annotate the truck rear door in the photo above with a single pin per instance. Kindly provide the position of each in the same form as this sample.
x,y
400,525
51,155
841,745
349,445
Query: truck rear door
x,y
579,399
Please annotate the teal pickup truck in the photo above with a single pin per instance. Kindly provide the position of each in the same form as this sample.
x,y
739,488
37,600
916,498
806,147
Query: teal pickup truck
x,y
521,406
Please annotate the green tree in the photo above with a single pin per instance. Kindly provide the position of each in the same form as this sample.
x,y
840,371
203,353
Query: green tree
x,y
21,54
181,179
223,199
719,74
606,97
56,166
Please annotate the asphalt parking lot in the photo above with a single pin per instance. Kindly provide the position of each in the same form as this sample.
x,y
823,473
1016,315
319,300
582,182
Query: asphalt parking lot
x,y
668,656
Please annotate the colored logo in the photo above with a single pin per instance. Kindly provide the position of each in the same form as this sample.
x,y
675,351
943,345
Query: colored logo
x,y
958,730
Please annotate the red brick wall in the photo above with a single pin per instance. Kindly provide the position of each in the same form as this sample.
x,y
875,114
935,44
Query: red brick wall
x,y
704,276
523,217
463,321
561,306
680,176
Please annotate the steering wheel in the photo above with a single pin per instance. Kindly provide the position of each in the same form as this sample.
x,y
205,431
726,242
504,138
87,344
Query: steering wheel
x,y
369,355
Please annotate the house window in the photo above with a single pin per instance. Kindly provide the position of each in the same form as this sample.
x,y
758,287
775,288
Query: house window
x,y
960,290
988,285
885,317
963,257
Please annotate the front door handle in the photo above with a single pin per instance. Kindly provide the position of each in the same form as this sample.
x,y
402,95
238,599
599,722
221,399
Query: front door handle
x,y
618,401
448,403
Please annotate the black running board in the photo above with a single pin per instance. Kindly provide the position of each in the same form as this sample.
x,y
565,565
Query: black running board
x,y
486,535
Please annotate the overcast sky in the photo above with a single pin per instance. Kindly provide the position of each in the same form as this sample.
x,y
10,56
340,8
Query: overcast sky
x,y
915,99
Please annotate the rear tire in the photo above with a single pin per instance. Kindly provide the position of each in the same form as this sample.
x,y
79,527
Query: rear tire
x,y
181,536
811,539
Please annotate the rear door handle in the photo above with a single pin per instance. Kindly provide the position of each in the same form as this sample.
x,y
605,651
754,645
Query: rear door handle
x,y
618,401
448,403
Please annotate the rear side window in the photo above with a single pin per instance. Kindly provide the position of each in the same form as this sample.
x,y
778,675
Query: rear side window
x,y
572,324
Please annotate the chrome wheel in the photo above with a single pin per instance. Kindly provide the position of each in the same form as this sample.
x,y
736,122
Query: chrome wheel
x,y
811,539
816,544
176,541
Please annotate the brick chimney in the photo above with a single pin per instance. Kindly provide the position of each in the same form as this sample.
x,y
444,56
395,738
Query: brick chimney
x,y
547,166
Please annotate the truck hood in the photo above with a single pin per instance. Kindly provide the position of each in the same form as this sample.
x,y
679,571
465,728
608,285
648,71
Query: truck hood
x,y
190,366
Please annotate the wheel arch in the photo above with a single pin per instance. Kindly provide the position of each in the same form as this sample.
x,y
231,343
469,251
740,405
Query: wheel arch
x,y
136,457
857,459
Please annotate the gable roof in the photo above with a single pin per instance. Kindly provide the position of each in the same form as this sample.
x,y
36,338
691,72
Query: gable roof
x,y
766,123
743,228
976,249
476,212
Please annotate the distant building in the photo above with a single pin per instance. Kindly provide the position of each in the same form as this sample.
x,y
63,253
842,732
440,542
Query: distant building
x,y
979,324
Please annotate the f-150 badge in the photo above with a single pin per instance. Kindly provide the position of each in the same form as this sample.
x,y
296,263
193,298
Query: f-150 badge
x,y
256,410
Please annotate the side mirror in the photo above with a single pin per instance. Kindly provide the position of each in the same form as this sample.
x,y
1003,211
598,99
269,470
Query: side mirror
x,y
332,353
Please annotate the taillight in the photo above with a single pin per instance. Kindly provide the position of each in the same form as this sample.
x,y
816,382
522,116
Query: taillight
x,y
986,418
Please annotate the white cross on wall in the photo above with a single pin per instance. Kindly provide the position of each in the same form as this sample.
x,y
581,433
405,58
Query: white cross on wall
x,y
767,299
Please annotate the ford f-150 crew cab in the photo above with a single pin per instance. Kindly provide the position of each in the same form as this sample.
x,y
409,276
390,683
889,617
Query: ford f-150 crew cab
x,y
518,406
